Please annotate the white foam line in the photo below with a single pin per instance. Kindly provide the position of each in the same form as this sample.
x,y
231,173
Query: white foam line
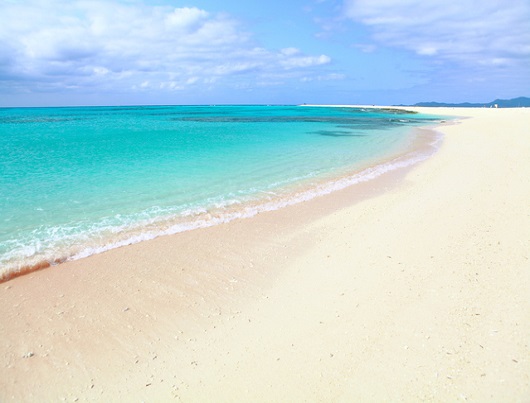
x,y
247,212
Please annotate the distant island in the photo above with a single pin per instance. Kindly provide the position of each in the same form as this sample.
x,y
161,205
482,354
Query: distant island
x,y
500,103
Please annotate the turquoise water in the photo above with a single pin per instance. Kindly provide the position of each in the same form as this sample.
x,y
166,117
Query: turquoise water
x,y
77,181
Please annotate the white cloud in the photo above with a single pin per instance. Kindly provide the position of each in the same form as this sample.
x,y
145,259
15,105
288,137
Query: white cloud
x,y
100,71
290,51
464,31
327,77
185,18
128,44
304,61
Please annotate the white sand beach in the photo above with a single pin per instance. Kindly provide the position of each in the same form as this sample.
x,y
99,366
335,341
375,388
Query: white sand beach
x,y
412,287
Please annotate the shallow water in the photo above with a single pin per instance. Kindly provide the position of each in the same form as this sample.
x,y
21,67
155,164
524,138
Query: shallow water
x,y
76,181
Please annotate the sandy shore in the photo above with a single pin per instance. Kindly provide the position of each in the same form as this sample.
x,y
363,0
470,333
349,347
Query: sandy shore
x,y
414,286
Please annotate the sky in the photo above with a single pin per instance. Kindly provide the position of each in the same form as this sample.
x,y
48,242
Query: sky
x,y
145,52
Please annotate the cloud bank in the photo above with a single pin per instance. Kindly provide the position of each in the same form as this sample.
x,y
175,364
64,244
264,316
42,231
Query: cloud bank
x,y
61,45
492,33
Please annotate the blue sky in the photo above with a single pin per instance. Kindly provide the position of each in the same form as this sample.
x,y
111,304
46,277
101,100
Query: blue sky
x,y
118,52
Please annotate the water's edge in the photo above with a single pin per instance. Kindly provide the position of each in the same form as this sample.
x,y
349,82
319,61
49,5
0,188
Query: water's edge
x,y
427,141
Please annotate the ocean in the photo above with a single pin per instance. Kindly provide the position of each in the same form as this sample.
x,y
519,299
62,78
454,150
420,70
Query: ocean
x,y
76,181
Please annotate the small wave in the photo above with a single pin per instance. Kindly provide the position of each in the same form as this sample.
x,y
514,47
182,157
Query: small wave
x,y
29,268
